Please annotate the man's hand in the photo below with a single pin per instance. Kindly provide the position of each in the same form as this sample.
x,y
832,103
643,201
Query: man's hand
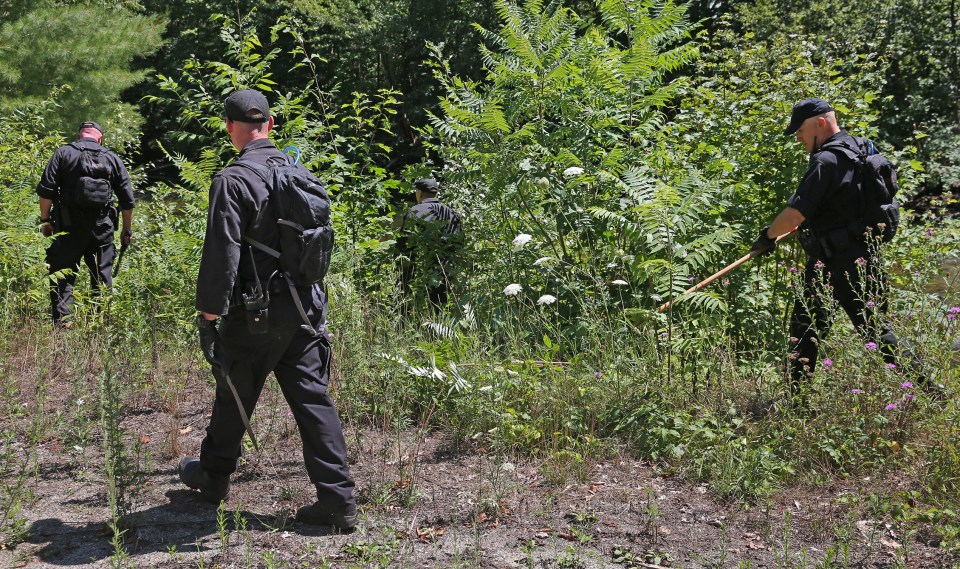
x,y
207,331
764,244
46,228
126,236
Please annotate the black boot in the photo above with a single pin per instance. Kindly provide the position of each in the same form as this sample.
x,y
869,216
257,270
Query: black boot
x,y
213,488
319,515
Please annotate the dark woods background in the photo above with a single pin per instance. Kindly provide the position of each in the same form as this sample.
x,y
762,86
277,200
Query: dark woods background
x,y
101,59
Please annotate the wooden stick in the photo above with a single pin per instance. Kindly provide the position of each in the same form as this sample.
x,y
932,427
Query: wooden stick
x,y
720,273
535,363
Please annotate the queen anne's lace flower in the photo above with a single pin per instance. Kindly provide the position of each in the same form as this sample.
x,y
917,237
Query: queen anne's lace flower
x,y
547,299
520,241
512,289
619,282
573,171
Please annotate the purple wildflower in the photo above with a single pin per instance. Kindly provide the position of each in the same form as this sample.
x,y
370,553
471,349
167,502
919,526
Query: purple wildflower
x,y
856,391
909,396
827,363
819,265
870,304
597,374
954,310
793,269
871,345
861,262
930,231
891,366
890,407
907,385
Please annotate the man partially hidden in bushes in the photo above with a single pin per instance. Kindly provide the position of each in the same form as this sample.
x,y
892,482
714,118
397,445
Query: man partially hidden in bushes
x,y
843,256
431,239
269,323
76,201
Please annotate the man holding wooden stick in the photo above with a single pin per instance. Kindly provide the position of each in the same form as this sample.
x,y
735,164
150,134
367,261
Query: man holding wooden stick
x,y
827,209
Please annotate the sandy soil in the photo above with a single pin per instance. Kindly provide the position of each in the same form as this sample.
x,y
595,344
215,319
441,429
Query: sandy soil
x,y
427,501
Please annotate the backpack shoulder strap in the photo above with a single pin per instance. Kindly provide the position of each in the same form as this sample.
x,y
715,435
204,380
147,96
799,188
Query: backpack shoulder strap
x,y
85,150
843,147
858,154
264,173
263,247
258,169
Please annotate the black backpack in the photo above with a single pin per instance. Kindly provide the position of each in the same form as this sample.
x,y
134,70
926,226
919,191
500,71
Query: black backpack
x,y
302,207
880,211
93,190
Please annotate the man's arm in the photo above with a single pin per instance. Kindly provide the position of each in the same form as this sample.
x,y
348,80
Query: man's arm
x,y
46,227
123,189
786,221
47,189
46,204
221,248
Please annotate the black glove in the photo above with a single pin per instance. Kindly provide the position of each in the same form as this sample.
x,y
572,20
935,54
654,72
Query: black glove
x,y
764,244
207,330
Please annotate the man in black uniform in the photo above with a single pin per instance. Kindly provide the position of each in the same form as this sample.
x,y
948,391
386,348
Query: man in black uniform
x,y
431,237
76,200
828,210
230,268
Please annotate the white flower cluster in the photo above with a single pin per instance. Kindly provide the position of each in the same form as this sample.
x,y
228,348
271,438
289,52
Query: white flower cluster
x,y
546,299
573,171
512,289
520,241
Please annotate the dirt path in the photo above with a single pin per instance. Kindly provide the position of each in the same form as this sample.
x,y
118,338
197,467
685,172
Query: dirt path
x,y
427,503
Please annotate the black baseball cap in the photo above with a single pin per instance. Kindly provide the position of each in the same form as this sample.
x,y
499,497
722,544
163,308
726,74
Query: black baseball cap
x,y
90,124
427,185
247,105
804,110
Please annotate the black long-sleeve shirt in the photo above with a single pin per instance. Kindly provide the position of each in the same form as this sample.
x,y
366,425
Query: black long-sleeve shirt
x,y
63,173
829,195
239,207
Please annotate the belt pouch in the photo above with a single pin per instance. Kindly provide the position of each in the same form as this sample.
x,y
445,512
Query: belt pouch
x,y
256,307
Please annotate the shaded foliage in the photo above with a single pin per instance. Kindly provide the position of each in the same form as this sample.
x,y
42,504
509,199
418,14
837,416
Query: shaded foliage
x,y
92,54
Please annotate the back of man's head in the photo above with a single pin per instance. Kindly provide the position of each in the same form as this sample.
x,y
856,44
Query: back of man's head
x,y
248,117
807,109
90,129
428,186
248,106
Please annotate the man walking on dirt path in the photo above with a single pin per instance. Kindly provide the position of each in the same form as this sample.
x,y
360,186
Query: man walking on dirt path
x,y
262,328
827,207
76,192
431,238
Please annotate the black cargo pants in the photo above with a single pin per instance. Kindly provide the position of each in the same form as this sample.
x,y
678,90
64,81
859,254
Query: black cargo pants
x,y
859,286
97,252
301,364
